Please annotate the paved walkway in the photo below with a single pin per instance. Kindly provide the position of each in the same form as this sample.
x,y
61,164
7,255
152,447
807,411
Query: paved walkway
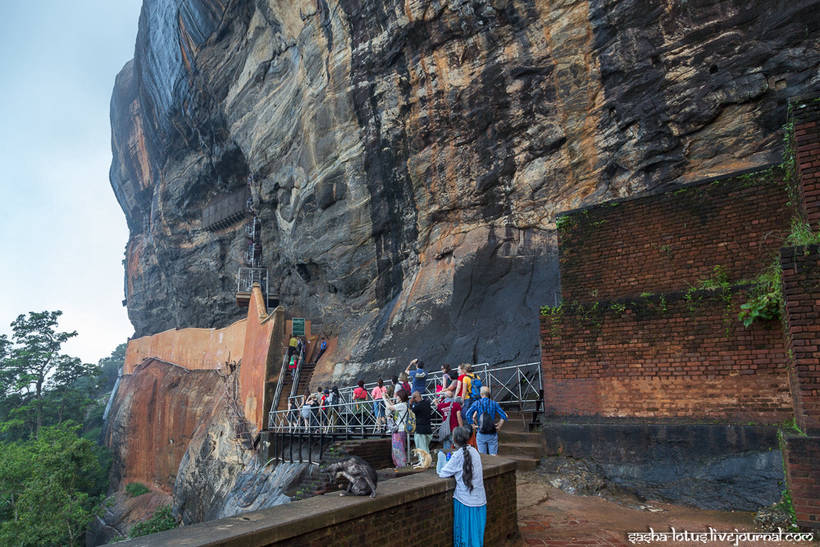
x,y
548,516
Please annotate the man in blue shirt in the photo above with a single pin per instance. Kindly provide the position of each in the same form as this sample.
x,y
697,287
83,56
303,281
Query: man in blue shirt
x,y
483,414
418,376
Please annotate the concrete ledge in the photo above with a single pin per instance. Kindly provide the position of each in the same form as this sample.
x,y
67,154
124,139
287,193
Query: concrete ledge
x,y
613,439
286,522
710,466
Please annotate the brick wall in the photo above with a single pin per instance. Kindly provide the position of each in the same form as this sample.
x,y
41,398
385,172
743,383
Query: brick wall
x,y
668,241
802,455
806,117
801,289
412,510
376,452
664,357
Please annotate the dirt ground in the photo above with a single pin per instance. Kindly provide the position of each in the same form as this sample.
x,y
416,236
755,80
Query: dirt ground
x,y
549,516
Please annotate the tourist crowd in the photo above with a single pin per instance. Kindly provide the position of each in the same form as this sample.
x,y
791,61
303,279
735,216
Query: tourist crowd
x,y
403,407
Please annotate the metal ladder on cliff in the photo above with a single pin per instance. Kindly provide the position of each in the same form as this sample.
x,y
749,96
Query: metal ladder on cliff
x,y
231,392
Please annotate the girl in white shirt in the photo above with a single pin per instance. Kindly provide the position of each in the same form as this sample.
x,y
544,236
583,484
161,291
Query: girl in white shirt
x,y
469,498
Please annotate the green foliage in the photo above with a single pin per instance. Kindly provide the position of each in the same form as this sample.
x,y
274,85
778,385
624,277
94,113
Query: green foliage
x,y
37,377
618,307
51,477
790,426
719,280
51,487
785,504
161,520
547,311
801,234
554,314
766,298
564,222
135,489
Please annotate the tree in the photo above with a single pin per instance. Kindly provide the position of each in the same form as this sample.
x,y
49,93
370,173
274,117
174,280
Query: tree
x,y
31,364
109,369
51,487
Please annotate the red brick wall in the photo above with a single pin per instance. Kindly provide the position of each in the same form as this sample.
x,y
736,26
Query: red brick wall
x,y
664,358
412,510
802,456
806,118
801,289
426,521
376,452
666,242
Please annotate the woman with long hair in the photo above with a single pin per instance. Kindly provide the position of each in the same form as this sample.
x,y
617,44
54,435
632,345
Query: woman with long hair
x,y
448,379
469,498
399,446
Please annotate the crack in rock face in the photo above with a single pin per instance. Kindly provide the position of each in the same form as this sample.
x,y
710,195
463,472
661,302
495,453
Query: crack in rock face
x,y
406,160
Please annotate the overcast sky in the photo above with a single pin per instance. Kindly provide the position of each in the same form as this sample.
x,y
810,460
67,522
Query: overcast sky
x,y
62,234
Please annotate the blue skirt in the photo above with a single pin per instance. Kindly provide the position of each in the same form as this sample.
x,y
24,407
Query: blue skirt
x,y
468,525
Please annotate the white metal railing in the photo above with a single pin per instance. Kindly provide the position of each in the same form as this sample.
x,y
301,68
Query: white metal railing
x,y
246,277
300,360
511,385
355,418
281,382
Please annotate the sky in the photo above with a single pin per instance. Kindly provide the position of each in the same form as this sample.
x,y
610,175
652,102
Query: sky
x,y
62,233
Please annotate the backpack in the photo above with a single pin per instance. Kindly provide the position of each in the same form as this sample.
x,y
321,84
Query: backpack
x,y
475,387
443,432
410,422
406,387
486,426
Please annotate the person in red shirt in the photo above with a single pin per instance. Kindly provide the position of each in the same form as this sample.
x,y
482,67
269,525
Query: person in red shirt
x,y
445,405
359,397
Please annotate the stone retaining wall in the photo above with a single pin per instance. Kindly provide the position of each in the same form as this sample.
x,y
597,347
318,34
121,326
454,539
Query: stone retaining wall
x,y
421,505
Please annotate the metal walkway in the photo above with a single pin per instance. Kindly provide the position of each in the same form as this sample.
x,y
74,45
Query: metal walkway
x,y
514,387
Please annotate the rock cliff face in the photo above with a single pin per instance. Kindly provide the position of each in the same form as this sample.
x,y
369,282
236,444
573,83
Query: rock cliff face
x,y
407,159
173,430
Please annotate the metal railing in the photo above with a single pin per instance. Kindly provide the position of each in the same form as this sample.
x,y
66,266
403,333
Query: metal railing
x,y
246,277
349,419
281,382
296,374
510,386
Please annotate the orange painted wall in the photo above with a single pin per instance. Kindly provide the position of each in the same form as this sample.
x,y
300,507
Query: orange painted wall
x,y
256,341
194,349
263,335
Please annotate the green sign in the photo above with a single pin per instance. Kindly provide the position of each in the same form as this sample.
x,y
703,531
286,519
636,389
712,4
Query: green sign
x,y
298,327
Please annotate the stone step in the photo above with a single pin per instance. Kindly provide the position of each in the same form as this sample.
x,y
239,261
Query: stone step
x,y
516,424
523,463
534,450
533,437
